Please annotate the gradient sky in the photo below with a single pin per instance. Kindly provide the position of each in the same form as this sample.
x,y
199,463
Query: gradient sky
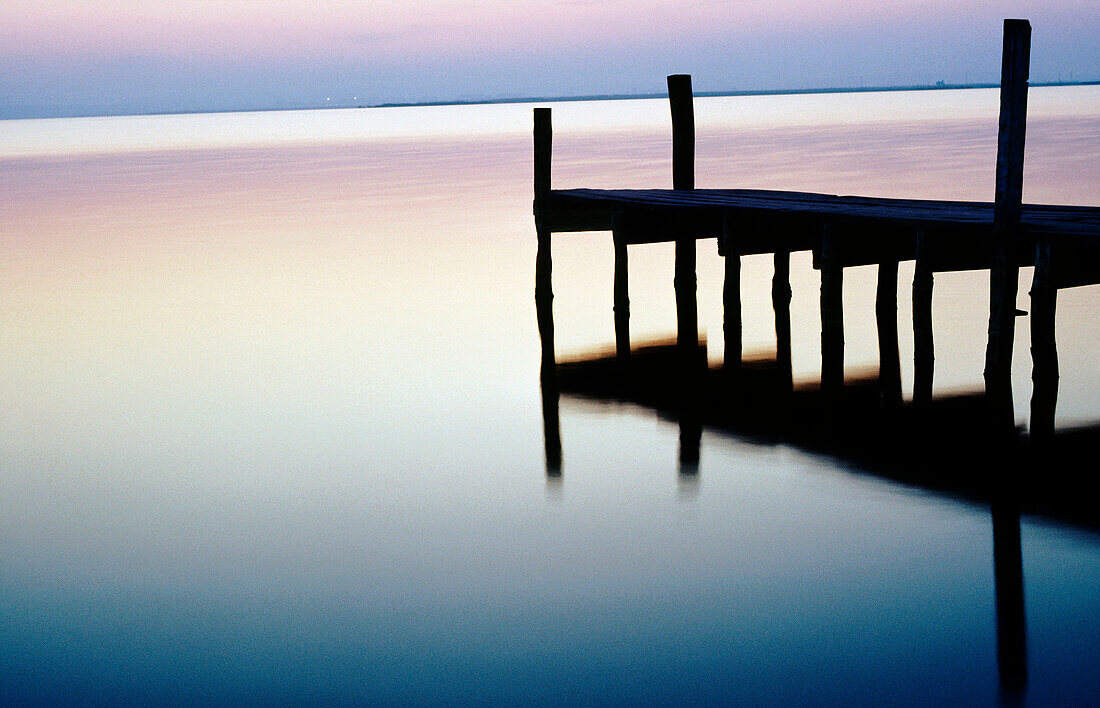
x,y
80,57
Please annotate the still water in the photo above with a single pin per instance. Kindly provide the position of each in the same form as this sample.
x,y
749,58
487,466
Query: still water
x,y
270,427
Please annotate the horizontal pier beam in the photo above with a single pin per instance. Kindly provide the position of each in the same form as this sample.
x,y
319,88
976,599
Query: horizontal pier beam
x,y
960,233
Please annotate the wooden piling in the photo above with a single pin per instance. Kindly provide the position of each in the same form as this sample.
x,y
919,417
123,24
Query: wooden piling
x,y
923,347
832,313
622,292
731,300
886,316
683,178
781,304
544,294
1044,351
1004,272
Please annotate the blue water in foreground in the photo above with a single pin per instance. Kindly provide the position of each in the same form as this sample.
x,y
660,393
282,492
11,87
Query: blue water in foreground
x,y
271,432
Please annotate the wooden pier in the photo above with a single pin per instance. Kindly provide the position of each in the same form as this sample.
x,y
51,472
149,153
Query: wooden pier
x,y
1062,242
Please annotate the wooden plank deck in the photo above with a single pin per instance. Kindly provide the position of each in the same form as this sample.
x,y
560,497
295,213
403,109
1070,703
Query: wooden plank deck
x,y
590,210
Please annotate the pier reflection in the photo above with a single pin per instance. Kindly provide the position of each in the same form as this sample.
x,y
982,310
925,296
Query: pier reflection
x,y
944,445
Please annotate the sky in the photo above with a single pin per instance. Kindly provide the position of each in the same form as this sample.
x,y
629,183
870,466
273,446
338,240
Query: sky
x,y
95,57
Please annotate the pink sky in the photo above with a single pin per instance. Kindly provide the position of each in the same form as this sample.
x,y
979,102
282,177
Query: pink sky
x,y
135,55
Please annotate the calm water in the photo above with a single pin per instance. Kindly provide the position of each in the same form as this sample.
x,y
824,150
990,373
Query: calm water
x,y
270,427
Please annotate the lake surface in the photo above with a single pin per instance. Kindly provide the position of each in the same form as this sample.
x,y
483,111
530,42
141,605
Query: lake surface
x,y
271,431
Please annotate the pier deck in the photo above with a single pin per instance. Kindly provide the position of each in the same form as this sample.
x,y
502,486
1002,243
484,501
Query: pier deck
x,y
703,209
1061,242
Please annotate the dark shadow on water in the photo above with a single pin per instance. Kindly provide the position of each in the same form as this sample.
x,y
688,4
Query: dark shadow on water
x,y
943,446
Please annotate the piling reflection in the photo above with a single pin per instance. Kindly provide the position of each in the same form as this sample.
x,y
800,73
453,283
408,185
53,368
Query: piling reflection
x,y
551,425
1009,582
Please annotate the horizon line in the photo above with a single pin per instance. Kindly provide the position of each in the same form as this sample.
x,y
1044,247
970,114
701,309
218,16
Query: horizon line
x,y
938,86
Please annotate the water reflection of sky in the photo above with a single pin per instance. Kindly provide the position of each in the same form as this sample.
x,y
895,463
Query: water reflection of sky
x,y
270,429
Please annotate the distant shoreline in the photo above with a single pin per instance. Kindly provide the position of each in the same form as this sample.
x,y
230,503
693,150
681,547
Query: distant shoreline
x,y
710,94
49,113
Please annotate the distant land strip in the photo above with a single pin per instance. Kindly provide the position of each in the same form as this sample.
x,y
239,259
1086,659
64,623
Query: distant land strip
x,y
32,112
746,92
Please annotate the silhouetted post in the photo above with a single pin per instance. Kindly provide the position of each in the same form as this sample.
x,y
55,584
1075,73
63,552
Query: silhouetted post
x,y
1044,350
1008,577
731,300
683,177
781,304
622,292
886,316
924,358
544,294
832,313
1004,272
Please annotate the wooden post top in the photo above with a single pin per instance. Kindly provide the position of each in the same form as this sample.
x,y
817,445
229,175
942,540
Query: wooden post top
x,y
1015,59
543,149
683,131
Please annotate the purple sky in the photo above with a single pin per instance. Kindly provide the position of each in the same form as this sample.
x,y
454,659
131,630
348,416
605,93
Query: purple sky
x,y
133,56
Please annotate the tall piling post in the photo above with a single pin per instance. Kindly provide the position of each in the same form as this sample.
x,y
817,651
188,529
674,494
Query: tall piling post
x,y
731,299
781,305
544,293
683,178
622,290
1004,271
1044,350
924,357
832,313
886,317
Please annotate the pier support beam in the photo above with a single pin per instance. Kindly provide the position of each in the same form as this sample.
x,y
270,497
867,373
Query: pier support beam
x,y
886,316
1044,350
1004,272
832,314
781,304
924,358
683,177
731,301
544,293
622,291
